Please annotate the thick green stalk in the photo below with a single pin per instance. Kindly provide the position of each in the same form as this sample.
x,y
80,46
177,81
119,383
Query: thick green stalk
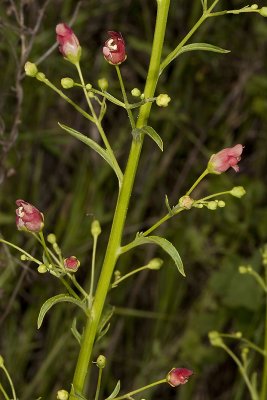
x,y
121,208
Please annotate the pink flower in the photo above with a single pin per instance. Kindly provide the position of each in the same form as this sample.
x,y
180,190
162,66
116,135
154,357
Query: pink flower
x,y
71,264
178,376
114,48
224,159
28,218
68,42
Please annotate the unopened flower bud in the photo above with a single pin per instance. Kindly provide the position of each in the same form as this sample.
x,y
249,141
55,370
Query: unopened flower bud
x,y
41,76
67,83
215,339
103,83
238,335
42,269
212,205
95,228
30,69
198,205
114,48
254,6
178,376
28,218
263,11
224,159
242,269
91,94
155,263
23,257
71,264
88,86
136,92
186,202
238,191
101,361
163,100
68,43
221,203
51,238
62,395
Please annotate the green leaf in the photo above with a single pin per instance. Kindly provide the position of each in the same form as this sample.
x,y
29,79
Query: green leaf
x,y
163,243
115,391
95,146
191,47
54,300
153,135
75,331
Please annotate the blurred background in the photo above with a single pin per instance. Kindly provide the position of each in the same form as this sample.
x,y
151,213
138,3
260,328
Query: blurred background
x,y
161,320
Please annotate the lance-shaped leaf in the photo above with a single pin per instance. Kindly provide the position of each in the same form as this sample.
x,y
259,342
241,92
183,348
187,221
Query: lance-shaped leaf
x,y
191,47
148,130
115,391
95,146
167,246
57,299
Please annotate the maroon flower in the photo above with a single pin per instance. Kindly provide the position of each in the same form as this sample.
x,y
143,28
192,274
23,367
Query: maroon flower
x,y
178,376
114,48
28,218
224,159
71,264
68,42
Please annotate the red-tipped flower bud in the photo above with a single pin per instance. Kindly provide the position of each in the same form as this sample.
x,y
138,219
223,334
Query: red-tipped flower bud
x,y
28,218
114,48
224,159
68,42
71,264
178,376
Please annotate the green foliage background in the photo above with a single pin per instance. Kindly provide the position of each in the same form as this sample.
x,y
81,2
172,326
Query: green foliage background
x,y
161,319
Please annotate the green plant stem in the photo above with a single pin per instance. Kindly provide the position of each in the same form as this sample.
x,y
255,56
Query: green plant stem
x,y
10,382
263,392
172,55
43,243
91,292
202,176
213,195
243,340
69,289
115,284
114,242
22,251
78,286
128,395
4,392
161,221
99,125
253,393
125,98
100,372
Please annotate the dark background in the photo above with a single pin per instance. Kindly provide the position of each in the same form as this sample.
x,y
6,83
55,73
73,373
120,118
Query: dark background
x,y
162,320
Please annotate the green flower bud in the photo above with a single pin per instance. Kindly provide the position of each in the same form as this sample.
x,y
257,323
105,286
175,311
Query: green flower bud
x,y
186,202
62,395
103,83
242,269
88,86
23,257
51,238
142,96
221,203
238,191
91,94
163,100
42,269
254,6
155,263
215,339
1,361
40,76
101,361
263,11
67,83
212,205
136,92
238,335
95,228
198,205
30,69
